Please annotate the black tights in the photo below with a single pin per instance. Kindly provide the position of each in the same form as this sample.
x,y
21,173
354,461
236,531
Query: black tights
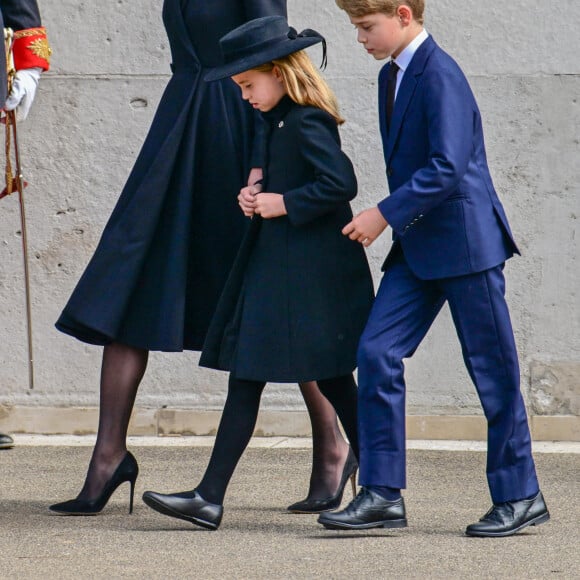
x,y
239,420
122,371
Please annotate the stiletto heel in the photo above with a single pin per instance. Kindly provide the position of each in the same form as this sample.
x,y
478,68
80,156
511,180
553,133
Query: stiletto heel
x,y
316,506
126,471
132,494
353,483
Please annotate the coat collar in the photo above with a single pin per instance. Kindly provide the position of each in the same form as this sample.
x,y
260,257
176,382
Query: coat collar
x,y
274,116
406,91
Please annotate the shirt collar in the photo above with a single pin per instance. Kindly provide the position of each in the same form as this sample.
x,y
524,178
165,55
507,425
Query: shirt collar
x,y
406,56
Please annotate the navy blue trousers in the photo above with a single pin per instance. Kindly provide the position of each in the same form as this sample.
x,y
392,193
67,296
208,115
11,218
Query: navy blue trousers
x,y
403,311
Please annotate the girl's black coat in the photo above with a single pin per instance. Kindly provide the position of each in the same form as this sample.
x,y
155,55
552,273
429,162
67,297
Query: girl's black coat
x,y
299,293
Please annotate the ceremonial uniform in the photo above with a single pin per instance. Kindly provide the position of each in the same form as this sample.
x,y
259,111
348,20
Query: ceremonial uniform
x,y
31,48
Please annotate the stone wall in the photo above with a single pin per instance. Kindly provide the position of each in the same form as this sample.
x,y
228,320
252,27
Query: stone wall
x,y
110,66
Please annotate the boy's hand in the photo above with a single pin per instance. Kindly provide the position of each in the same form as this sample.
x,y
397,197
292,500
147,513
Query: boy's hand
x,y
270,205
366,227
247,199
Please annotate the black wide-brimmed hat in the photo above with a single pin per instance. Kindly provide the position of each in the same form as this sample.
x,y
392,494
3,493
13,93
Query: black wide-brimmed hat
x,y
260,41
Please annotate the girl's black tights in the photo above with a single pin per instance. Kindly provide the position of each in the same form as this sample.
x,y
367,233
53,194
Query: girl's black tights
x,y
234,433
239,420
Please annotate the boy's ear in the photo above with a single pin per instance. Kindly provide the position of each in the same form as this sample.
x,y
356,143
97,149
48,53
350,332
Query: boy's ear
x,y
404,14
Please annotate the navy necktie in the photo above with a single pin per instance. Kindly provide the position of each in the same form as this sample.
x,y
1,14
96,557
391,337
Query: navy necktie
x,y
391,88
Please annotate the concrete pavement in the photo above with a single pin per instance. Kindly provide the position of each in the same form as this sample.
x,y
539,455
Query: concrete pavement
x,y
258,539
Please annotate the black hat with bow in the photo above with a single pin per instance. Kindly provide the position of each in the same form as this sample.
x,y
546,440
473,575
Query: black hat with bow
x,y
260,41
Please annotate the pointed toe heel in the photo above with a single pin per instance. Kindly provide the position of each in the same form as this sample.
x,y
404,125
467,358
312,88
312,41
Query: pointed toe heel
x,y
127,470
317,506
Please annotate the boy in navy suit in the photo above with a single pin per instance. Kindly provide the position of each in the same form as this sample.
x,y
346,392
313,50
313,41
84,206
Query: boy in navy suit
x,y
451,239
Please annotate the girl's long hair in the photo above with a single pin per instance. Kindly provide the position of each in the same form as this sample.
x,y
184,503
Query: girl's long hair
x,y
304,84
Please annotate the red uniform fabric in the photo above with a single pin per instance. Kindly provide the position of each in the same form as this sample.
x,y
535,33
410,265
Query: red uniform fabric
x,y
31,49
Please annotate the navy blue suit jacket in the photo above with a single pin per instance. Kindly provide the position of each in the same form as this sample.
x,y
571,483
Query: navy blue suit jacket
x,y
443,208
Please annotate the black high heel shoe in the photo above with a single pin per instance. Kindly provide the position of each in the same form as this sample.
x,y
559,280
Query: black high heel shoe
x,y
126,471
317,506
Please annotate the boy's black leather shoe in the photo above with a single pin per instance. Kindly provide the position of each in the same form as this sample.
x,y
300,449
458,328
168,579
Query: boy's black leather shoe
x,y
188,506
510,517
367,510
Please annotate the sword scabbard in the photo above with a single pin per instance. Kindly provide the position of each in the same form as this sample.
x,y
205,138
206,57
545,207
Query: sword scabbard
x,y
16,183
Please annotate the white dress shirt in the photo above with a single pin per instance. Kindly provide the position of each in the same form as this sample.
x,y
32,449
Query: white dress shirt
x,y
405,57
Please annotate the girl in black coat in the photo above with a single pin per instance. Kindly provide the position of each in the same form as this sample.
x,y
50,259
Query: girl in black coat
x,y
299,293
164,257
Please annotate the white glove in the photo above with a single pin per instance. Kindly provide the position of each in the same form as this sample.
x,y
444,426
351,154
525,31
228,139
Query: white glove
x,y
23,91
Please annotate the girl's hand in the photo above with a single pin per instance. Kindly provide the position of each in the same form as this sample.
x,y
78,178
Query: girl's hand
x,y
256,174
270,205
247,199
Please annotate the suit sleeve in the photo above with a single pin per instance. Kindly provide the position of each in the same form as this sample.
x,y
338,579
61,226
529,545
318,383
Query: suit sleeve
x,y
334,178
451,116
259,8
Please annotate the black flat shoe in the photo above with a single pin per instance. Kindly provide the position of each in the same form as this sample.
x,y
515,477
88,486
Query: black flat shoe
x,y
508,518
317,506
188,506
367,510
126,471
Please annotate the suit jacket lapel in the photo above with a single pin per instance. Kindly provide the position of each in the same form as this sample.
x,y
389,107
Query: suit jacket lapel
x,y
406,91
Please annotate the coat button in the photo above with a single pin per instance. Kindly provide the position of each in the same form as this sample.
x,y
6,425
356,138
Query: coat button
x,y
389,171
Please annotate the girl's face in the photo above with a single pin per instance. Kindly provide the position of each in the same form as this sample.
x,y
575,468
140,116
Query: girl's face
x,y
263,90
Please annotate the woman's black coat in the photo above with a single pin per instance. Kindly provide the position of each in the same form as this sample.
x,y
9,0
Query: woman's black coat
x,y
299,293
164,257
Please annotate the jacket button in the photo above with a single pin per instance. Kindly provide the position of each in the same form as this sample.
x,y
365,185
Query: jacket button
x,y
389,171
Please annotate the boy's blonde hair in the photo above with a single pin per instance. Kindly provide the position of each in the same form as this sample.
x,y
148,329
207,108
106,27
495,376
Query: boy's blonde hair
x,y
358,8
304,84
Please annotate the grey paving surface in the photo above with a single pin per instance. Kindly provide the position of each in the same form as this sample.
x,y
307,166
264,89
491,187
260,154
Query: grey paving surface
x,y
258,539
